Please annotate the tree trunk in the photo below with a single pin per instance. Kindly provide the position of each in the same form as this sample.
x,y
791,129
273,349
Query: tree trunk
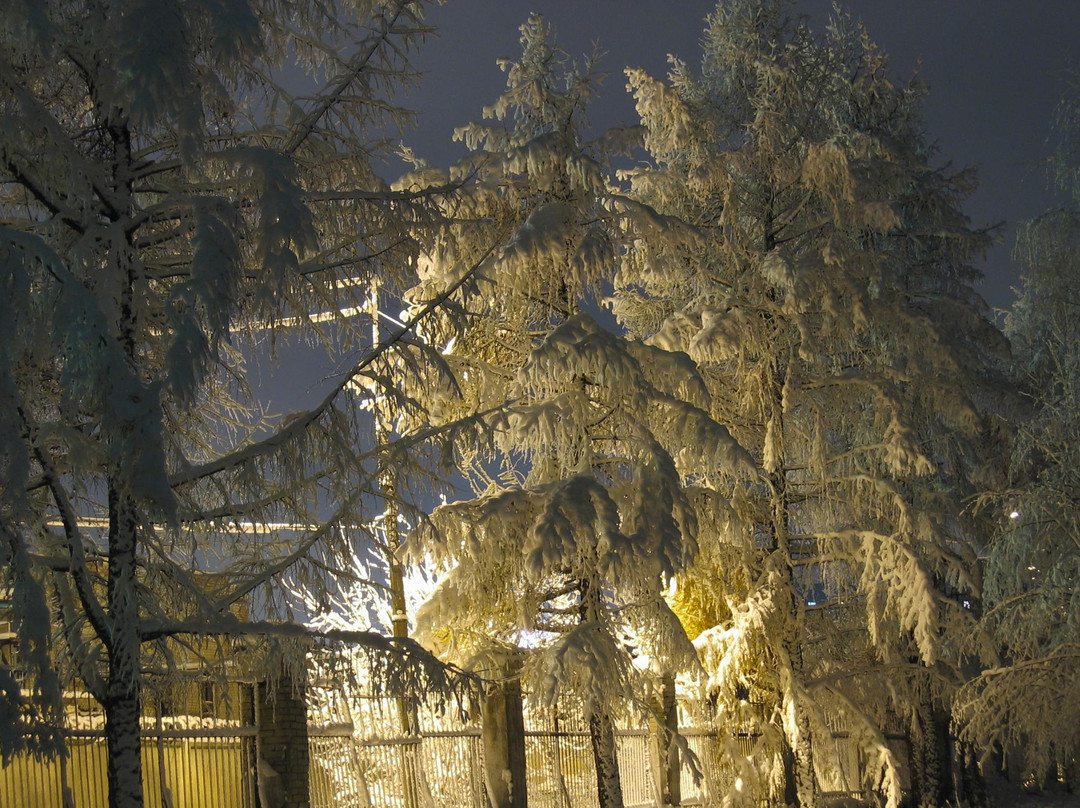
x,y
605,758
601,727
408,722
800,780
805,779
932,759
123,746
665,752
967,783
122,732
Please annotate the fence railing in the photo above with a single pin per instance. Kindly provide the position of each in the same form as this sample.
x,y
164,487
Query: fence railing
x,y
215,768
369,765
436,768
447,768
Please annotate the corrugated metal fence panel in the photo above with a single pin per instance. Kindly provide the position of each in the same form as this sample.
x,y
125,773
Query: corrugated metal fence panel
x,y
201,769
29,781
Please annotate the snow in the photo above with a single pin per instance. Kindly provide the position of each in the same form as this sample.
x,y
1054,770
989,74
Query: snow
x,y
607,460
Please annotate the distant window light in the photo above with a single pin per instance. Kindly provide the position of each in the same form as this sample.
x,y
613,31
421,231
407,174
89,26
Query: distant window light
x,y
967,604
811,603
1014,514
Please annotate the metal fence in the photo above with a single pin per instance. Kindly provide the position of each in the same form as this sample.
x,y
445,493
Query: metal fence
x,y
437,768
215,768
360,758
447,768
197,752
560,772
206,768
194,768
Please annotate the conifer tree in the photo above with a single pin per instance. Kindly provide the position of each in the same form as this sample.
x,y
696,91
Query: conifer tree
x,y
581,511
1025,702
168,201
829,308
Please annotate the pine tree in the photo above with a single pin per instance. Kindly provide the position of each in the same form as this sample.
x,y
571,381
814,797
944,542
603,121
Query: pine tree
x,y
829,308
168,203
581,513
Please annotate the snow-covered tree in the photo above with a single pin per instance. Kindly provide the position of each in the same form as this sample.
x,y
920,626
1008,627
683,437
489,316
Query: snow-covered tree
x,y
828,306
581,512
1026,703
182,182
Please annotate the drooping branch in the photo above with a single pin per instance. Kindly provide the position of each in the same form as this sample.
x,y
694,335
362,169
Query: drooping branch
x,y
283,564
79,570
409,660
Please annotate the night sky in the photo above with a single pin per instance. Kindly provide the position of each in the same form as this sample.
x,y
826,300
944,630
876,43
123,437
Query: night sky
x,y
996,70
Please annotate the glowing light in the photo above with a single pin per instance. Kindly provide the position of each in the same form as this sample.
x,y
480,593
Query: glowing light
x,y
738,784
1014,514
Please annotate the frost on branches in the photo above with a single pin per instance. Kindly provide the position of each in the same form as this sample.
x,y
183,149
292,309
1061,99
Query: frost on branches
x,y
827,306
586,442
1025,704
169,204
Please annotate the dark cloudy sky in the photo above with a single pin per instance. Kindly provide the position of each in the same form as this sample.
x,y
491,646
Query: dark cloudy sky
x,y
996,70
